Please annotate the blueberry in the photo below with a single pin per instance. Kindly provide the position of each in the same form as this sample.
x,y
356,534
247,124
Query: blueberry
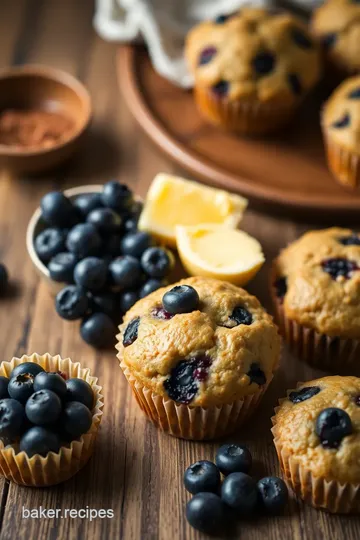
x,y
206,512
135,243
241,315
117,196
207,55
232,458
125,271
104,303
273,494
105,220
61,267
99,331
112,245
256,374
91,273
202,476
354,94
157,262
39,441
84,240
12,419
328,40
183,383
127,299
181,299
81,391
352,240
131,332
159,312
21,387
295,84
58,211
50,381
220,19
4,278
264,63
76,419
71,303
150,286
49,243
221,88
301,38
239,491
342,122
43,407
4,381
27,367
339,267
281,287
130,225
332,425
304,393
87,203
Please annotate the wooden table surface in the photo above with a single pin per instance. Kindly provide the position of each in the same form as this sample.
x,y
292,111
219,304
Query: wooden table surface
x,y
136,470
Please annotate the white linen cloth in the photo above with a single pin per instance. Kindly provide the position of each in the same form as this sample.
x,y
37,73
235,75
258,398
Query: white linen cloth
x,y
163,25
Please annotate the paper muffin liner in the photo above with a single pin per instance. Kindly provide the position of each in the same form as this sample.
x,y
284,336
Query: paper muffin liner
x,y
335,354
194,423
39,471
246,117
342,162
330,495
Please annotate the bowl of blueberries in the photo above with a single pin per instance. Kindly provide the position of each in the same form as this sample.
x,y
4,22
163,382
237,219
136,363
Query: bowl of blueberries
x,y
84,242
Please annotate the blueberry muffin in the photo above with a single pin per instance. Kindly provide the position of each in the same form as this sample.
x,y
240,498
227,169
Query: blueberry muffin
x,y
317,439
316,293
252,69
341,130
336,25
198,355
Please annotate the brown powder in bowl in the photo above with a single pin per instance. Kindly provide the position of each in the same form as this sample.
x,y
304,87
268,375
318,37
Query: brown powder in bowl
x,y
33,129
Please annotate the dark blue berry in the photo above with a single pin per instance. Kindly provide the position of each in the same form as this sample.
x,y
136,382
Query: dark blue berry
x,y
150,286
91,273
130,225
332,425
50,381
131,332
202,476
264,63
49,243
61,267
239,491
273,494
27,367
207,55
99,331
304,393
81,391
84,240
136,243
76,419
112,245
104,303
281,287
181,299
352,240
12,419
301,38
127,299
329,40
295,84
43,407
39,441
232,458
72,303
207,513
105,220
87,203
4,278
240,315
117,196
183,383
354,94
220,19
221,88
342,122
4,381
338,266
256,374
21,387
157,262
58,211
125,271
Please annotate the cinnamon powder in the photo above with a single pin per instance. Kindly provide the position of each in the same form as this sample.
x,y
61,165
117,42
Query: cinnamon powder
x,y
34,129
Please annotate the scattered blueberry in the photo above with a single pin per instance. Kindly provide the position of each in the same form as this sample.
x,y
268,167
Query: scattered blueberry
x,y
354,94
207,55
281,287
301,38
72,303
181,299
4,278
27,367
117,196
12,419
150,286
50,381
104,303
342,122
241,315
43,407
49,243
21,387
4,381
264,63
98,330
332,425
295,84
232,458
131,332
239,491
81,391
352,240
183,383
206,512
273,494
91,273
88,202
75,419
304,393
256,374
58,211
125,271
328,40
221,88
105,220
337,267
157,262
61,267
202,476
127,299
135,243
39,440
84,240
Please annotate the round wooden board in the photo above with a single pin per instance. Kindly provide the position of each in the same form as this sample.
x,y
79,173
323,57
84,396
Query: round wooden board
x,y
285,173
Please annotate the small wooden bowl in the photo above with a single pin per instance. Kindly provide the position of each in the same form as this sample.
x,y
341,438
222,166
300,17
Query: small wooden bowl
x,y
43,88
36,225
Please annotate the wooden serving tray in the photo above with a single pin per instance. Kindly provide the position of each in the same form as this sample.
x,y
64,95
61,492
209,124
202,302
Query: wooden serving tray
x,y
286,173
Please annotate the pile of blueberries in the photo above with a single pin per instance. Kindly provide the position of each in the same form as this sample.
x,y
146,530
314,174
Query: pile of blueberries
x,y
41,410
215,505
93,244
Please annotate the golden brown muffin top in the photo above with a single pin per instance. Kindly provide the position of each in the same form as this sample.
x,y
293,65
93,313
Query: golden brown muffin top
x,y
341,114
255,54
322,274
328,452
337,26
224,350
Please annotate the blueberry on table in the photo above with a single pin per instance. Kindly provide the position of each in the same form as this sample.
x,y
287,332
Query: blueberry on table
x,y
125,271
332,425
84,240
87,202
117,196
4,381
150,286
50,381
58,211
99,331
49,243
157,262
202,476
39,440
307,392
106,302
273,494
43,407
105,220
239,491
81,391
127,299
91,273
207,513
12,419
181,299
72,303
131,332
61,267
21,387
135,243
232,458
76,419
4,278
27,367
